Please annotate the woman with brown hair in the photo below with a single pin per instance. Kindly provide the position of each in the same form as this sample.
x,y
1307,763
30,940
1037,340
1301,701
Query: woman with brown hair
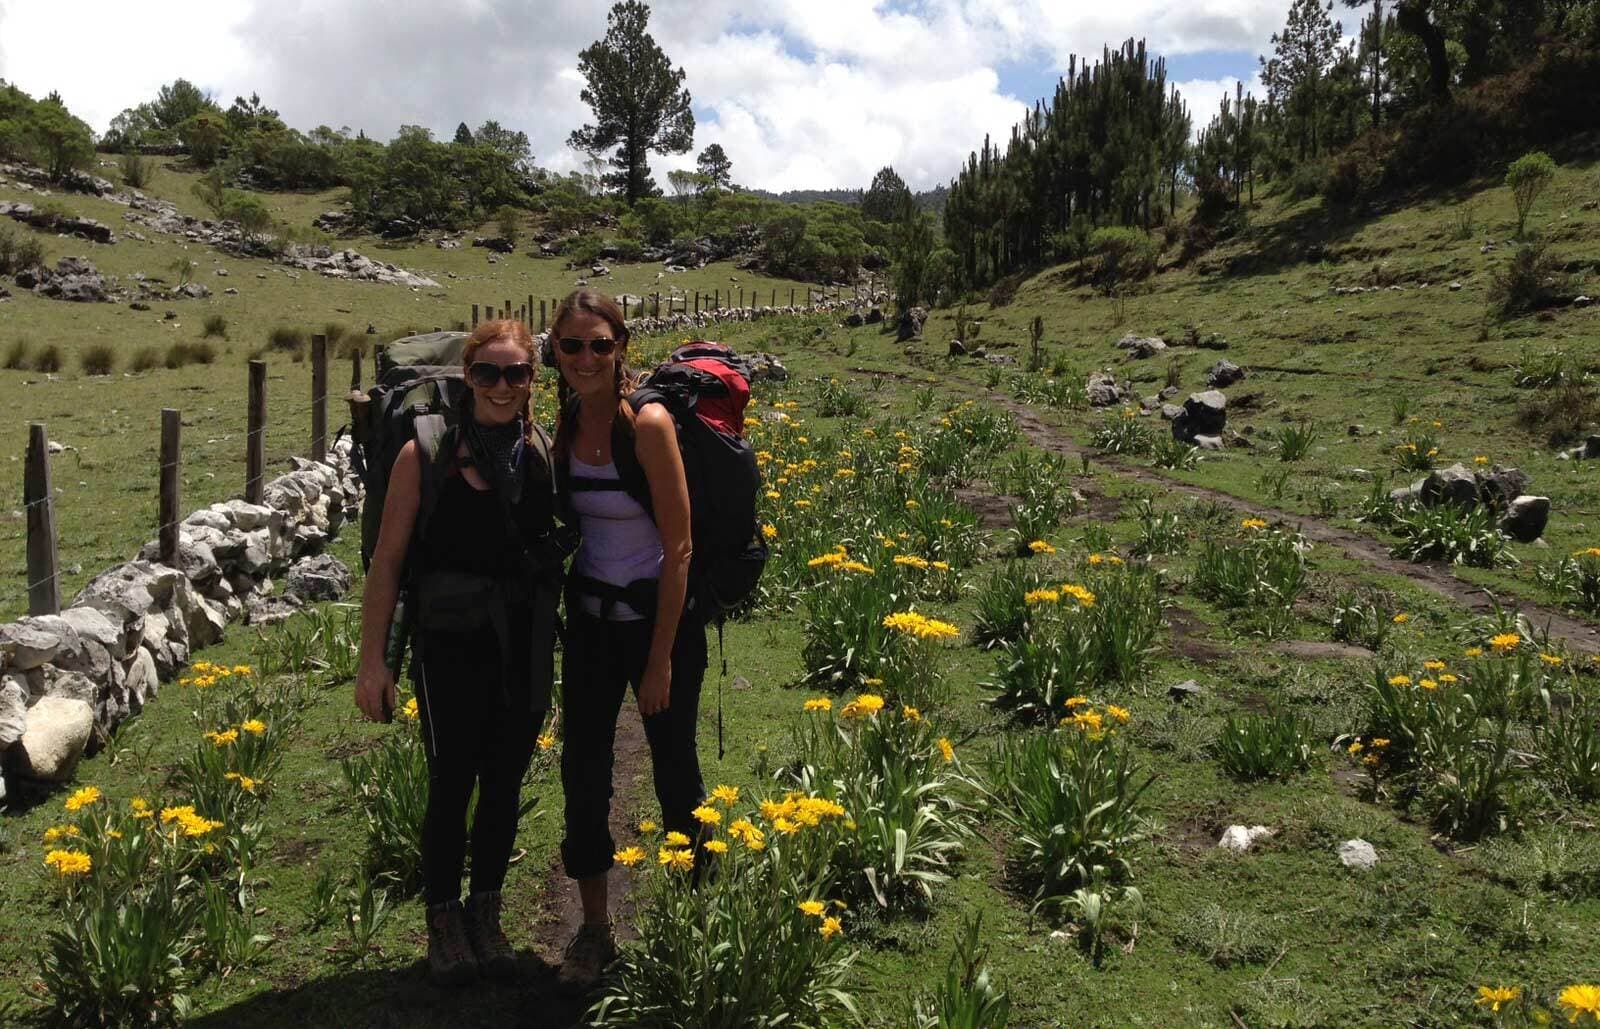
x,y
468,529
628,623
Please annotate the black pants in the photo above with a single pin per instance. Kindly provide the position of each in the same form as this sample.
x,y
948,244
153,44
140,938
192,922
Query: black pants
x,y
601,661
475,734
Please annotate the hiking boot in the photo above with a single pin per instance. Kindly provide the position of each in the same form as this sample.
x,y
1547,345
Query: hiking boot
x,y
586,957
495,956
450,960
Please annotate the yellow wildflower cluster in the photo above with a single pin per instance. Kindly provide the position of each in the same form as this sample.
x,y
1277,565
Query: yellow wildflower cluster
x,y
1043,596
727,796
68,863
253,726
1253,523
57,833
1551,660
1506,642
819,704
546,741
864,706
205,674
1105,559
1480,460
1587,552
769,532
226,738
798,811
1579,1000
141,808
82,798
922,627
1078,593
191,824
838,559
1041,547
1083,717
245,782
744,831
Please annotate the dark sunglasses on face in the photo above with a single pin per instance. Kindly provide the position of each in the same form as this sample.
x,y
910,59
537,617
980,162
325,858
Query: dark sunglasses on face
x,y
574,344
485,374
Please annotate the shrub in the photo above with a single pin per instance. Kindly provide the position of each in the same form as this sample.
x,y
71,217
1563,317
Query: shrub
x,y
48,359
1533,279
144,359
18,251
1527,177
1561,414
1448,532
97,359
390,784
1262,574
1542,369
180,354
508,220
1293,442
1005,290
1122,254
837,400
216,325
136,170
1161,531
1270,746
16,358
1124,433
1075,800
1308,179
287,340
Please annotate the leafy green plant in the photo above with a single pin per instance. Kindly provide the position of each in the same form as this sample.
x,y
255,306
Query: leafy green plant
x,y
136,169
1169,452
967,997
1293,442
1226,938
1379,507
1000,607
97,359
836,399
1092,912
17,354
47,359
1575,579
1161,531
1400,407
1569,747
390,783
1358,619
1527,178
1074,799
227,932
1544,369
1277,745
1416,450
366,912
1123,433
1263,573
1447,532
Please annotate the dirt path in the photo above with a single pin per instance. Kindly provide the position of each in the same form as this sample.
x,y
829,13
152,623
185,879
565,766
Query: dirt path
x,y
1437,578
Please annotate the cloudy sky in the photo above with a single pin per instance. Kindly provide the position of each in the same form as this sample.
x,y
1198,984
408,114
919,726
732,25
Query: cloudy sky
x,y
800,93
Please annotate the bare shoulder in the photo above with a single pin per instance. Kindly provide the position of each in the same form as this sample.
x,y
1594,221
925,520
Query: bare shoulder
x,y
654,418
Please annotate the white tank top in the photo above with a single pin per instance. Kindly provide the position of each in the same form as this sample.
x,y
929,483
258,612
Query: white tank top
x,y
621,544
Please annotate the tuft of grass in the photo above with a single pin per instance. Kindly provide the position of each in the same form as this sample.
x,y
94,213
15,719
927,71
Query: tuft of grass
x,y
180,354
1561,414
16,359
287,340
1226,938
145,359
98,359
216,325
48,359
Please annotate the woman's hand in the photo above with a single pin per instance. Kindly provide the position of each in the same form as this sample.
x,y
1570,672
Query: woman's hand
x,y
655,688
375,693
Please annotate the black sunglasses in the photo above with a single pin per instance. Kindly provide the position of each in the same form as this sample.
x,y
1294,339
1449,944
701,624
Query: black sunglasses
x,y
485,374
574,344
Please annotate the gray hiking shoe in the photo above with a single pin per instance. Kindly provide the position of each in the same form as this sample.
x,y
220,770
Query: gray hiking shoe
x,y
450,960
495,957
586,957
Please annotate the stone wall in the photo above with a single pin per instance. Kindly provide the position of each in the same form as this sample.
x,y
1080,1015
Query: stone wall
x,y
67,680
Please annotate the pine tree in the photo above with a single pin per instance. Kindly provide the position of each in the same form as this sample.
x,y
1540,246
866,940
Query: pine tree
x,y
1303,54
638,101
464,135
714,164
887,198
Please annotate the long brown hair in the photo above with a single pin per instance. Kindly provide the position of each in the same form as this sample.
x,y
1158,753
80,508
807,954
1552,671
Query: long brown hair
x,y
590,301
513,331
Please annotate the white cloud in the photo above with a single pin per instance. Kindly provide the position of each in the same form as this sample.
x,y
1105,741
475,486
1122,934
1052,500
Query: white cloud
x,y
801,93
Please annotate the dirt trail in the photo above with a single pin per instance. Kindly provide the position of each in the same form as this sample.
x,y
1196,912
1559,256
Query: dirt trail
x,y
1437,578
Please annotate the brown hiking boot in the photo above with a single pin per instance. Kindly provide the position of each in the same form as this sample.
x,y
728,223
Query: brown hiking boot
x,y
586,957
496,959
450,960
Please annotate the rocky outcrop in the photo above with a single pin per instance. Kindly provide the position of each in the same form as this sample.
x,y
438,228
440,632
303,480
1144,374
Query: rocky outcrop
x,y
1203,414
56,221
72,279
1102,389
1140,347
79,674
1501,490
909,327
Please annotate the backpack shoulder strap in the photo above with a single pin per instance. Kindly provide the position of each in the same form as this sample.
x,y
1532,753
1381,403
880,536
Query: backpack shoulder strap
x,y
435,446
629,471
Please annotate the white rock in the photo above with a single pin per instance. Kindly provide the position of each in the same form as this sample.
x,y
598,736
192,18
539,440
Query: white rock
x,y
32,642
1358,854
13,708
143,679
92,624
58,733
1239,839
246,517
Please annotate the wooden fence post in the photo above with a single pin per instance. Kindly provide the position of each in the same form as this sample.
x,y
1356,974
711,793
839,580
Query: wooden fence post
x,y
658,304
38,498
696,301
791,296
169,511
474,316
741,296
255,438
541,316
716,301
355,368
530,312
319,397
774,302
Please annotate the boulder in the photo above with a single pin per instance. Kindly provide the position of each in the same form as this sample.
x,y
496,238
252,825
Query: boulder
x,y
1102,389
1205,442
909,326
854,320
765,366
13,708
1525,518
1184,690
264,610
874,316
56,737
143,679
1204,414
248,517
1456,485
93,626
32,642
323,577
1139,347
1498,487
128,592
1170,411
1223,374
1239,838
956,349
194,290
1358,855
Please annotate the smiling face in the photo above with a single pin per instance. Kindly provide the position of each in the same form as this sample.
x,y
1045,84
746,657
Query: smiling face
x,y
588,374
501,403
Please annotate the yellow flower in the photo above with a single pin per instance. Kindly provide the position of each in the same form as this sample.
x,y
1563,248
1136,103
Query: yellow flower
x,y
1044,596
680,860
546,740
1380,742
845,473
812,908
912,505
1428,684
832,560
1078,593
941,566
715,846
1480,460
226,738
1253,523
769,531
1474,652
1590,552
677,839
911,714
241,669
785,826
871,682
707,815
1041,547
857,567
411,711
819,704
256,726
1399,680
629,856
1448,679
83,798
1581,999
1550,660
1401,618
1506,642
141,808
69,862
1076,702
1118,713
1433,666
831,927
1088,721
1355,748
946,750
802,504
727,796
647,826
745,832
869,703
773,494
911,561
1492,997
245,782
56,833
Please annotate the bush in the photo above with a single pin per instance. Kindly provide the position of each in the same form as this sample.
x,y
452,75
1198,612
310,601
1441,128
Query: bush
x,y
216,325
180,354
1122,254
1447,532
18,251
98,359
1262,574
1562,414
287,340
136,170
1534,279
1307,180
1271,746
145,359
16,359
1004,291
1527,178
48,359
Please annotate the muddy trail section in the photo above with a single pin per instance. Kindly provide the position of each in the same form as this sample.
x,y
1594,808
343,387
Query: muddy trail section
x,y
1579,635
